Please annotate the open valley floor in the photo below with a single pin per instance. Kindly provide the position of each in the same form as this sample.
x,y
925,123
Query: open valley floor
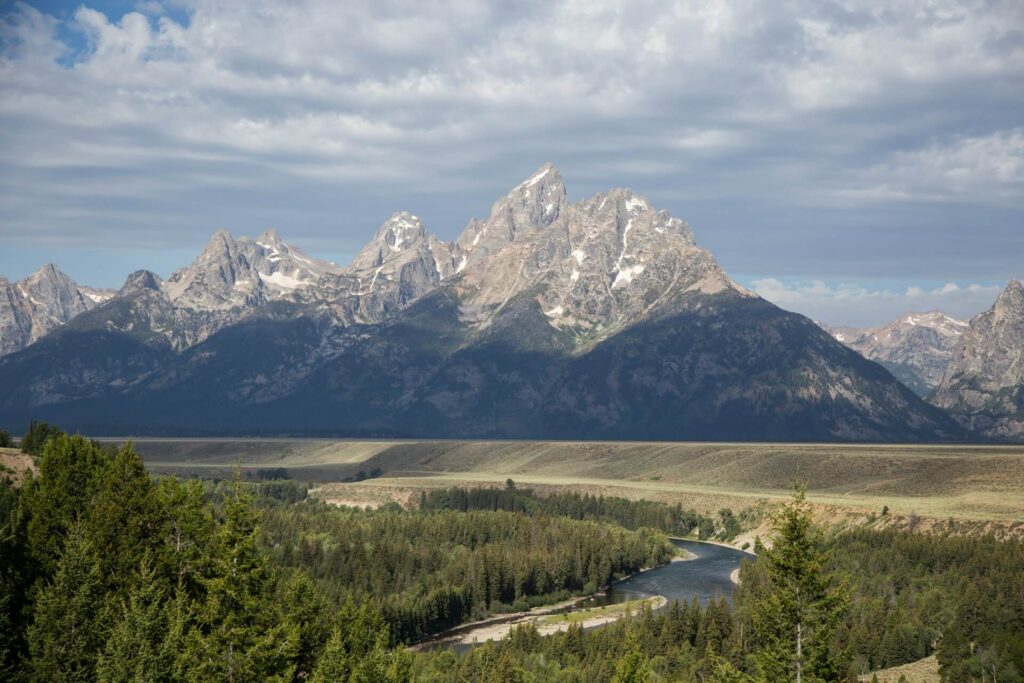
x,y
976,489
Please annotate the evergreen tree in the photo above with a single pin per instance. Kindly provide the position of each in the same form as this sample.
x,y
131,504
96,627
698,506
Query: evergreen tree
x,y
796,616
136,649
68,632
125,519
306,611
335,663
36,437
16,577
187,532
71,473
632,666
238,633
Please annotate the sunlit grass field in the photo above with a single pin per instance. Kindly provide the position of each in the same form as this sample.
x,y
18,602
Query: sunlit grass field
x,y
970,483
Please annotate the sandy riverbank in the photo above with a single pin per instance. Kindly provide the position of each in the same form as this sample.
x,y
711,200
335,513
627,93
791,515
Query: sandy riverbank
x,y
547,624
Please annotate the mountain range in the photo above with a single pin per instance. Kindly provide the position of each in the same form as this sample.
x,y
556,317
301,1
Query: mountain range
x,y
601,318
916,347
41,303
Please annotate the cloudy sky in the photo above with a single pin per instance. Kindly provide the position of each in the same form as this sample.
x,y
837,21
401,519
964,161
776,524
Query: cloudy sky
x,y
848,160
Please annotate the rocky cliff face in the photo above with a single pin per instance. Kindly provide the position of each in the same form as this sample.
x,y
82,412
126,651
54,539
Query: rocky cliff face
x,y
40,303
916,347
984,383
547,319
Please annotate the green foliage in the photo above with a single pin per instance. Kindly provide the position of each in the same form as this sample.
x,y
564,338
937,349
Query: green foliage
x,y
678,643
305,611
797,614
632,666
136,649
5,439
427,572
358,651
631,514
730,525
237,634
914,595
125,518
36,437
71,474
106,574
16,576
68,628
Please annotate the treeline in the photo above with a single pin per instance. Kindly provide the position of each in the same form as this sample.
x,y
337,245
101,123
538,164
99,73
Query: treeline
x,y
882,598
428,572
960,597
675,644
913,595
631,514
109,574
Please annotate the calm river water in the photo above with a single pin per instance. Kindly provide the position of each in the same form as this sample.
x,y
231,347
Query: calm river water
x,y
704,578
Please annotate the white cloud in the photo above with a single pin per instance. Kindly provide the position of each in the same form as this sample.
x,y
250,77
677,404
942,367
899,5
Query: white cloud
x,y
990,165
860,306
292,104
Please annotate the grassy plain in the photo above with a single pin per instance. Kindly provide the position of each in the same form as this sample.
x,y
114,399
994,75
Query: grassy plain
x,y
980,487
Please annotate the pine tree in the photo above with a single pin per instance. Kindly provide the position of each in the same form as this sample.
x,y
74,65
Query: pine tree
x,y
16,576
306,611
632,666
67,632
136,649
357,650
71,471
335,662
238,634
796,617
188,531
125,519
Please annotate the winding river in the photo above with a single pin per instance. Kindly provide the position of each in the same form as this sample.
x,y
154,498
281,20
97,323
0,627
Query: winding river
x,y
705,577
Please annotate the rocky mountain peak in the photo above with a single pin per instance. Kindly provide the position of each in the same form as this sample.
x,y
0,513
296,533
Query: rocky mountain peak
x,y
270,236
603,264
39,303
1010,302
401,232
535,203
140,281
231,273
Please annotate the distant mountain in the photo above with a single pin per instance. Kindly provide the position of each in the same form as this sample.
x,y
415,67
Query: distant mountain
x,y
547,319
984,383
916,347
40,303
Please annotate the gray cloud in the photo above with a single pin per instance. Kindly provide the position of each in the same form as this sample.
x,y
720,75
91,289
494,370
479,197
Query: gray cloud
x,y
842,141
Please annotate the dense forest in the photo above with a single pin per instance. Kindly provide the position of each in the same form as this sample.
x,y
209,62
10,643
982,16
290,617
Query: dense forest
x,y
109,574
631,514
428,572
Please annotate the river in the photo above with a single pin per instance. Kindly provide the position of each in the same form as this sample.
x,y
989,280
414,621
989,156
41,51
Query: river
x,y
705,577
